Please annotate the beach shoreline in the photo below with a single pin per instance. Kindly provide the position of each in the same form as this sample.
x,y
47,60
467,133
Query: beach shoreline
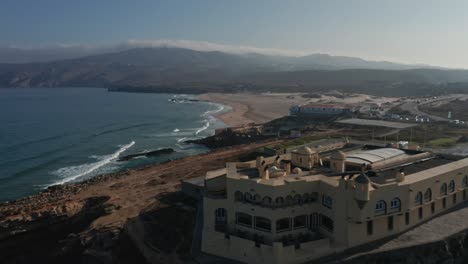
x,y
260,108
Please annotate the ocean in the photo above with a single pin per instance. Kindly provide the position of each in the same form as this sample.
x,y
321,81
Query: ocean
x,y
63,135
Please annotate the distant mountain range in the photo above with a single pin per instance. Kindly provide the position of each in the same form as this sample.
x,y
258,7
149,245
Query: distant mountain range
x,y
166,69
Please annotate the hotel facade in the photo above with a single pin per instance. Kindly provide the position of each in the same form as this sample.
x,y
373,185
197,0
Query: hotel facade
x,y
313,202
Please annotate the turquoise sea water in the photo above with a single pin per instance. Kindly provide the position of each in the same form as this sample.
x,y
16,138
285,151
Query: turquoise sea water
x,y
54,136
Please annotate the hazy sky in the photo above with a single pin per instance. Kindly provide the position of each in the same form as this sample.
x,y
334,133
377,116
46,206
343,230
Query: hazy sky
x,y
414,31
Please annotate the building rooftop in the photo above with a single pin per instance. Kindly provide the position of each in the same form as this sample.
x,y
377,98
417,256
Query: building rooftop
x,y
324,106
377,123
382,166
375,155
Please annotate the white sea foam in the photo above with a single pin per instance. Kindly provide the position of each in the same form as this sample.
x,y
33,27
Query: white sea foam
x,y
176,130
203,128
74,172
219,108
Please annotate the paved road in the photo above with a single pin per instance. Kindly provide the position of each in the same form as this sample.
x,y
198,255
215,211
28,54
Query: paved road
x,y
412,107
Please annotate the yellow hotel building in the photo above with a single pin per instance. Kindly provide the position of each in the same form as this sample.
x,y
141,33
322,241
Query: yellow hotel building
x,y
312,202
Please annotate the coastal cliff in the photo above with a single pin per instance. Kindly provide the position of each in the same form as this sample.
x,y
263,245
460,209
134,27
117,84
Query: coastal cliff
x,y
135,216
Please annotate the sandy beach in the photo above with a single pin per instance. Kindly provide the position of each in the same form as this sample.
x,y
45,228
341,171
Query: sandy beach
x,y
261,108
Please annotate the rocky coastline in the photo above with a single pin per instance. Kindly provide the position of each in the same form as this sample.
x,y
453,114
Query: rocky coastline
x,y
110,218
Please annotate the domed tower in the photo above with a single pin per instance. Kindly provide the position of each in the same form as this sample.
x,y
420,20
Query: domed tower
x,y
361,192
338,161
304,157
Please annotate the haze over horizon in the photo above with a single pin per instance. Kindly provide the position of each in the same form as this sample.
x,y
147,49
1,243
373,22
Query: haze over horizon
x,y
416,32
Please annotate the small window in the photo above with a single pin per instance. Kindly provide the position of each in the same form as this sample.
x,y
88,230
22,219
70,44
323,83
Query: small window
x,y
257,198
418,199
327,201
420,212
464,194
297,199
451,186
390,223
454,198
279,201
370,227
283,225
407,218
289,200
300,221
444,203
266,201
395,203
248,197
314,197
243,219
220,219
433,207
465,181
428,195
220,214
381,207
443,189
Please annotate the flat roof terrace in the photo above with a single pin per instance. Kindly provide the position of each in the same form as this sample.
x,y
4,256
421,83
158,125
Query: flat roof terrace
x,y
379,123
381,177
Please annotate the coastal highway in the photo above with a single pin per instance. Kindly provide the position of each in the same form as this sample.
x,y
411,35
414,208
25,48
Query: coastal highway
x,y
412,107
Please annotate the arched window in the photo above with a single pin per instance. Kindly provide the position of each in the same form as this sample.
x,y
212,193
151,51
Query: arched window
x,y
418,199
279,201
257,198
238,196
451,186
248,197
465,181
380,207
428,195
266,201
443,189
297,199
395,204
289,200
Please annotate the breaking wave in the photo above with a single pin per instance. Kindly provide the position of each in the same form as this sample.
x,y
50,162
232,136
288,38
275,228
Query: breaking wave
x,y
219,108
74,172
203,128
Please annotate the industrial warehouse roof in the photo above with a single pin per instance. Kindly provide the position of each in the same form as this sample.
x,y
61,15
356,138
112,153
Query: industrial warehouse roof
x,y
372,156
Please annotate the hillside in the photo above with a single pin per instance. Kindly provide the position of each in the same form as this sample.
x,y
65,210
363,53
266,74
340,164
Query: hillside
x,y
189,71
